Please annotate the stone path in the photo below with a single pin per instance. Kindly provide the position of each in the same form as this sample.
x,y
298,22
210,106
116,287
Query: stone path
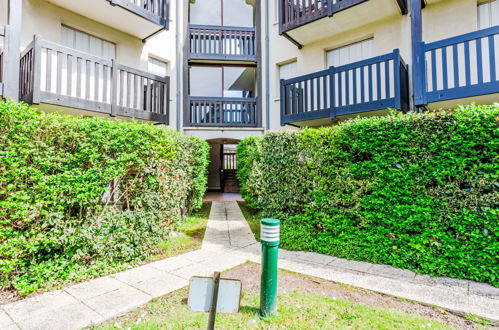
x,y
228,243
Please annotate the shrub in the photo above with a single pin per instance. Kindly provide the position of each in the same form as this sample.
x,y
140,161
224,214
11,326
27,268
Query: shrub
x,y
54,171
416,191
248,152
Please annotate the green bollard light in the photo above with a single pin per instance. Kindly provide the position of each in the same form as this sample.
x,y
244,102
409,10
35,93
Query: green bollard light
x,y
270,246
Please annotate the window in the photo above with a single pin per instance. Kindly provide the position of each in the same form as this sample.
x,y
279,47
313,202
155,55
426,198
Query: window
x,y
209,81
222,12
87,43
157,67
488,14
349,54
286,71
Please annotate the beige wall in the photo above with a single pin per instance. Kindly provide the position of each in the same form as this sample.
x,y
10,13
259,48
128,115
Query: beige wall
x,y
43,18
448,18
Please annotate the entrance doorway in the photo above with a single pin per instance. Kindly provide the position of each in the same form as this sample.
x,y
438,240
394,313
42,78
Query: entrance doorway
x,y
229,183
222,171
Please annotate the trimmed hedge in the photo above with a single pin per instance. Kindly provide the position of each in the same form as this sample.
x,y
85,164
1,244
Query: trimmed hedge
x,y
54,171
248,153
416,191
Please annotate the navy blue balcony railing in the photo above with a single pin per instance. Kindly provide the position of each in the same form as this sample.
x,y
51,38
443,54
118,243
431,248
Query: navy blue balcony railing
x,y
463,66
222,43
223,111
295,13
373,84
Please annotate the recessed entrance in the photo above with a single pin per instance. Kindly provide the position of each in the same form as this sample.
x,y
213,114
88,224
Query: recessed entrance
x,y
222,171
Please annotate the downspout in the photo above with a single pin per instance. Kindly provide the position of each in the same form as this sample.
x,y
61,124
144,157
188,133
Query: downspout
x,y
267,67
179,64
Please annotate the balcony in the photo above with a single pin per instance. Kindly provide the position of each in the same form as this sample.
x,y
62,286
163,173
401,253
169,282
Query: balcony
x,y
57,75
222,112
374,84
462,66
139,18
222,43
307,21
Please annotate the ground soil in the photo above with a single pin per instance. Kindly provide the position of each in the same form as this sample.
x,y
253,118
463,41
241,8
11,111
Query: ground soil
x,y
249,274
8,296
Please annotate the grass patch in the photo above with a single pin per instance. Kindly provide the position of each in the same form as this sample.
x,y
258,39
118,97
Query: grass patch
x,y
478,320
187,236
296,311
252,218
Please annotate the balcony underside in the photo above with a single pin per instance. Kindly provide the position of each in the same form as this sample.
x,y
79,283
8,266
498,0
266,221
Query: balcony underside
x,y
123,16
354,17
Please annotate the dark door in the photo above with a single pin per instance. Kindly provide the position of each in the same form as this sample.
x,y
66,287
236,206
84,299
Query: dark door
x,y
230,182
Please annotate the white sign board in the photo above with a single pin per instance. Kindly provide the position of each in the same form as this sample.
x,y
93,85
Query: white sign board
x,y
201,293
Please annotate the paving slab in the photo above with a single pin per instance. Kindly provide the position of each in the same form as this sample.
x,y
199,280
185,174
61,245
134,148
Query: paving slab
x,y
484,289
170,264
448,282
73,316
5,320
161,285
389,271
21,310
119,301
359,266
94,288
196,270
137,274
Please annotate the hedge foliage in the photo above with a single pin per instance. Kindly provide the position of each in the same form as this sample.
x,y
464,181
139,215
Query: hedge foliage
x,y
55,170
416,191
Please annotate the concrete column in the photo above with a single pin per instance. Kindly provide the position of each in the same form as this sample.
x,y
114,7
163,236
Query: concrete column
x,y
12,51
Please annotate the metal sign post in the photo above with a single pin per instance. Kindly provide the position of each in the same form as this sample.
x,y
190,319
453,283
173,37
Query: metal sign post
x,y
214,300
270,247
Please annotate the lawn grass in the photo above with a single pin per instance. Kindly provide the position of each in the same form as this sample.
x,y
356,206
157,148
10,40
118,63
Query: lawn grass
x,y
296,311
252,218
188,235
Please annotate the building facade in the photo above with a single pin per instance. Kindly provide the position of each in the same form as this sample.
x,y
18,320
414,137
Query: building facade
x,y
224,70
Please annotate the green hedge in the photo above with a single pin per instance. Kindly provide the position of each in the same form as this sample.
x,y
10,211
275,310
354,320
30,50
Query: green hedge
x,y
248,153
416,191
54,171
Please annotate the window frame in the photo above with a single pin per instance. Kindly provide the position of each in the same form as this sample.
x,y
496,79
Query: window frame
x,y
222,68
65,26
358,42
486,4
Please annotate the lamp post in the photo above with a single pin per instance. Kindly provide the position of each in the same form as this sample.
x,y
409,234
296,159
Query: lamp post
x,y
269,237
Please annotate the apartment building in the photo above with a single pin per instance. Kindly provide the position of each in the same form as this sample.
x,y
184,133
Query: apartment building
x,y
224,70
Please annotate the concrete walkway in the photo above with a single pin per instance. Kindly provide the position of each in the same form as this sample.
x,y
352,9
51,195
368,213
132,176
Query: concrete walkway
x,y
229,242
